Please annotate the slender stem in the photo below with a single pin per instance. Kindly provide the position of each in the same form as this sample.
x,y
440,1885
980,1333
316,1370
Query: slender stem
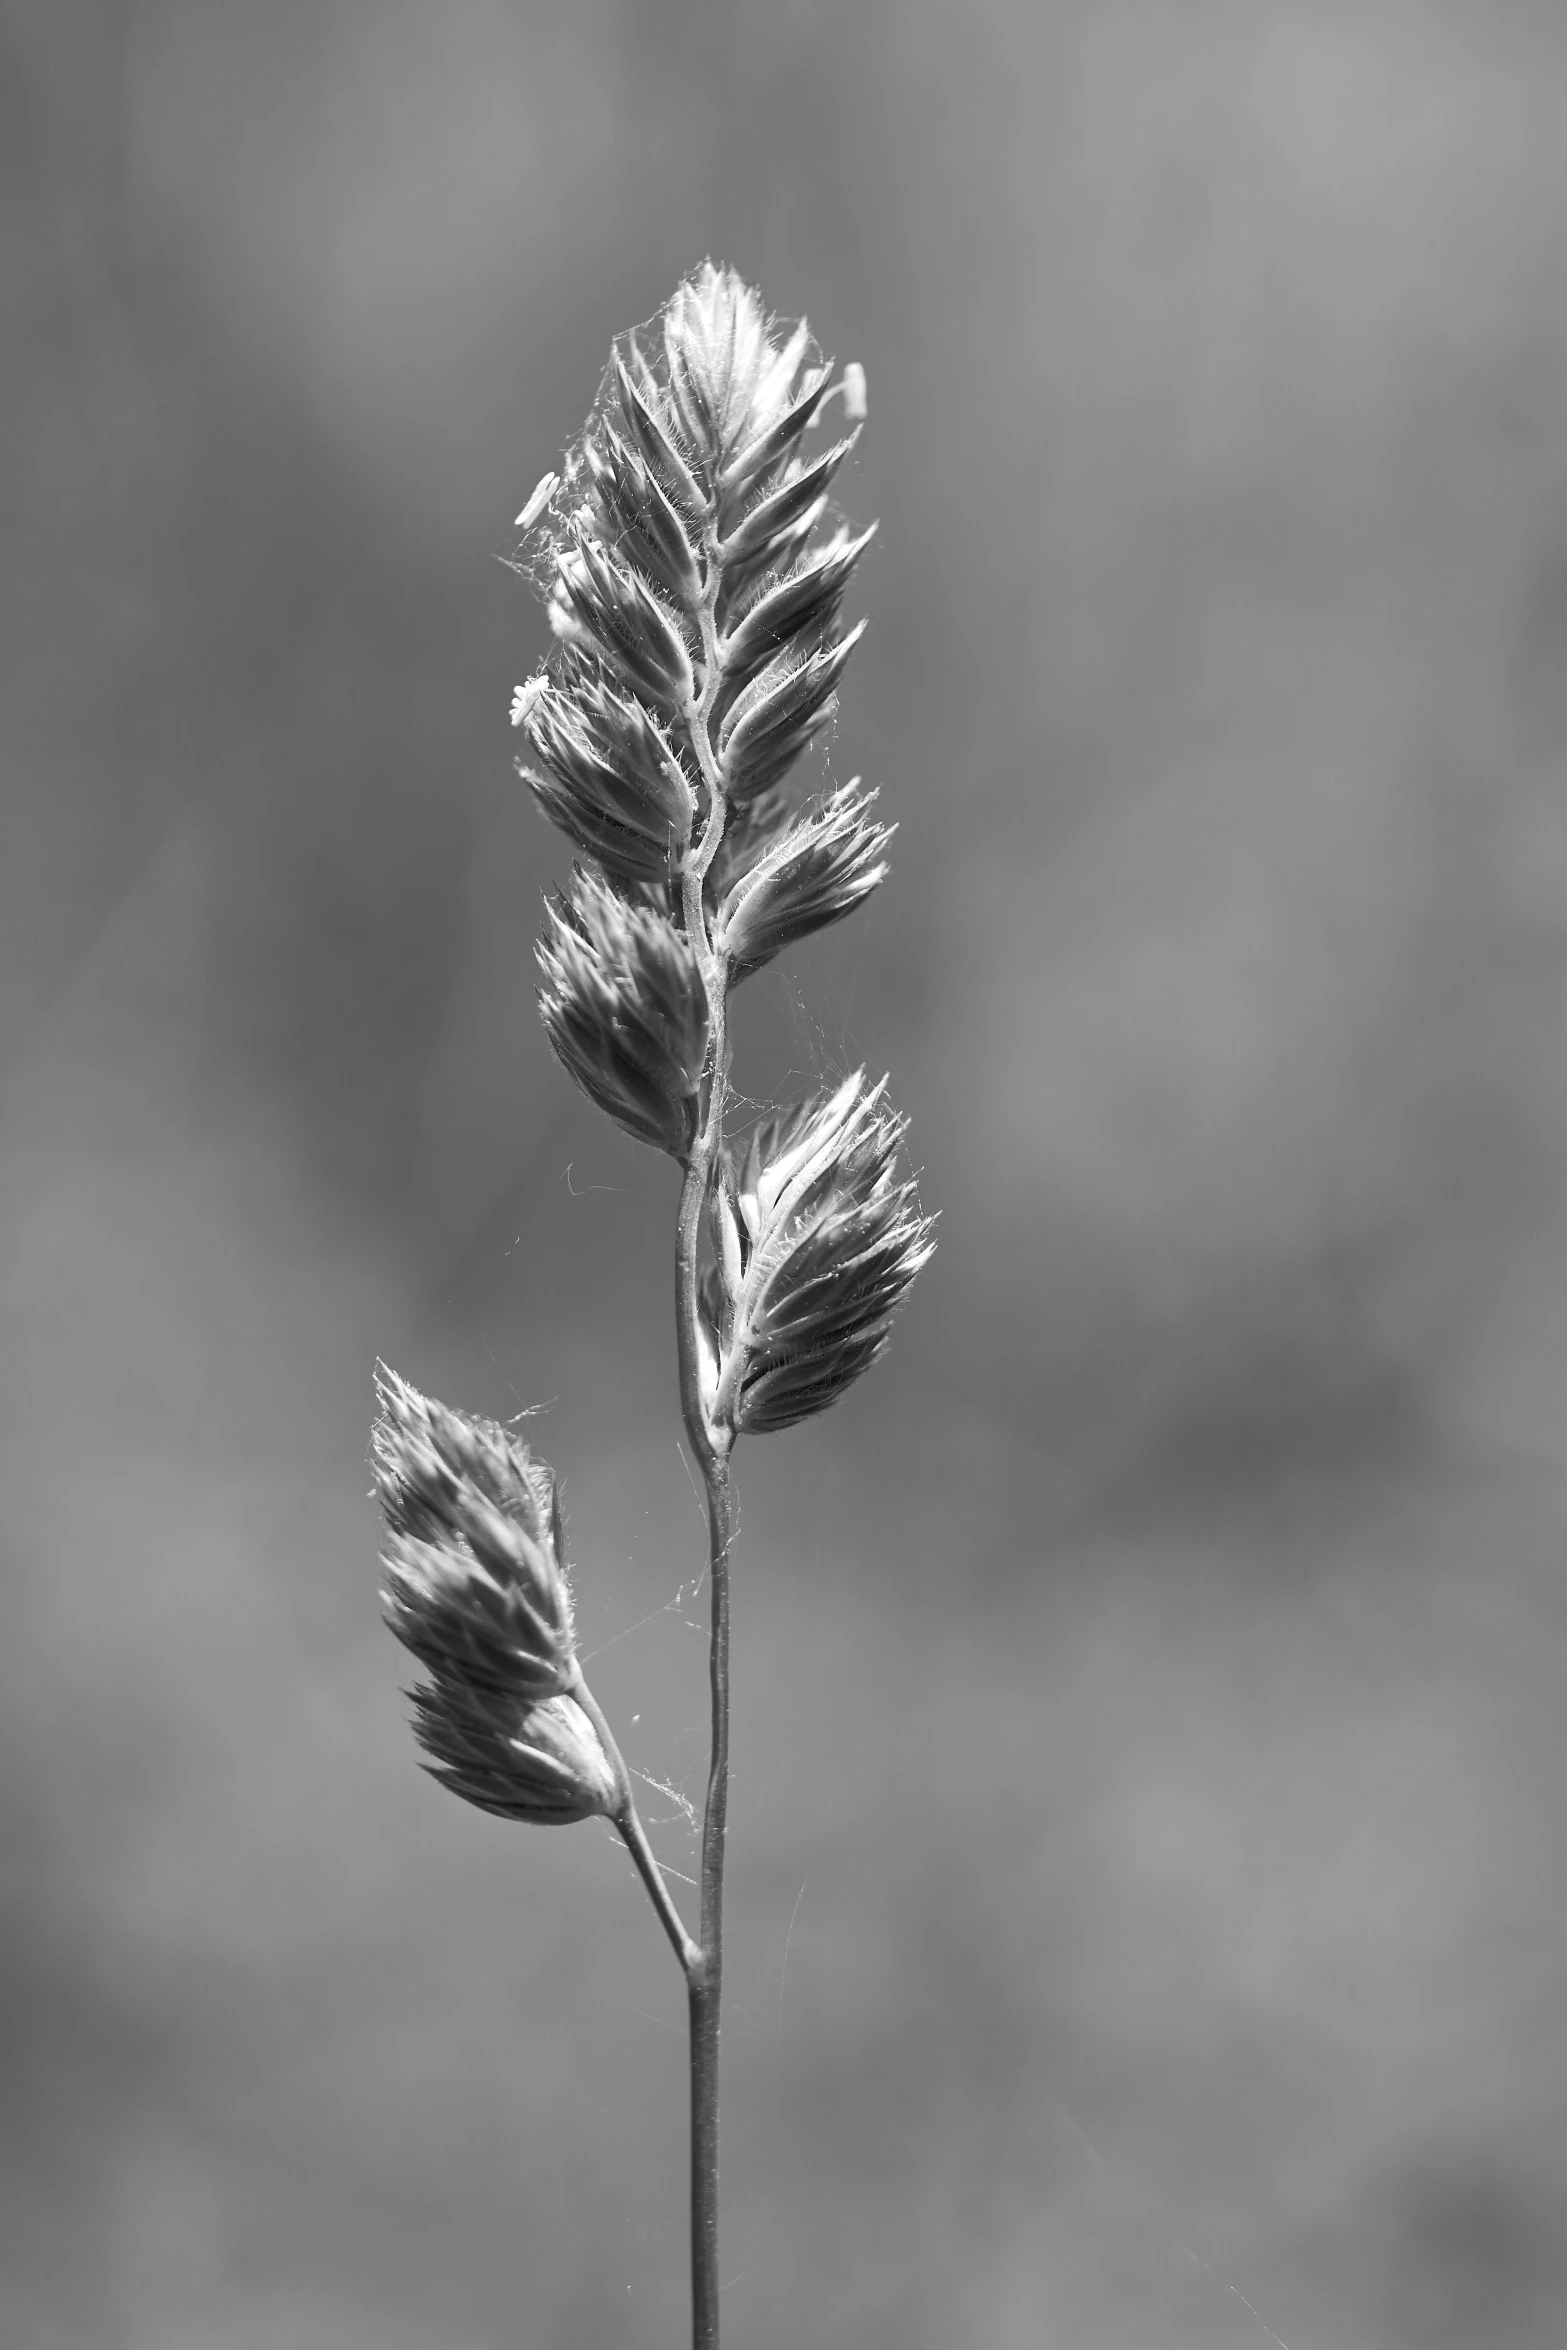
x,y
710,1444
705,1984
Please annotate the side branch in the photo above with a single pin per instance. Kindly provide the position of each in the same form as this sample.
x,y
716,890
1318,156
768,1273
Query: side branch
x,y
628,1822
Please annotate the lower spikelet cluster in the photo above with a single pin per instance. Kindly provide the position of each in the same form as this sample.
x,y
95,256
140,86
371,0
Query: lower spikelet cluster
x,y
476,1589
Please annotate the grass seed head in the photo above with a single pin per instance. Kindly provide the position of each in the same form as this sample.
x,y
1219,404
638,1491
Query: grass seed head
x,y
476,1589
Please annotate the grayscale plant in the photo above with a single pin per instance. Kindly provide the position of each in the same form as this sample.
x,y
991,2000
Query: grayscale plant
x,y
694,571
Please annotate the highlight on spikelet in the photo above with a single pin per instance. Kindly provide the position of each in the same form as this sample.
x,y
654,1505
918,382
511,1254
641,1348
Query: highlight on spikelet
x,y
826,863
476,1589
818,1243
694,578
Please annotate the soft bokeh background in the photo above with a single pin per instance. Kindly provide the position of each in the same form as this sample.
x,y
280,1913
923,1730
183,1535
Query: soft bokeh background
x,y
1149,1913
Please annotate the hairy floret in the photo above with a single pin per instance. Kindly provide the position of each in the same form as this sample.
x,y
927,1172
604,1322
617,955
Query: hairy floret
x,y
825,865
829,1241
609,775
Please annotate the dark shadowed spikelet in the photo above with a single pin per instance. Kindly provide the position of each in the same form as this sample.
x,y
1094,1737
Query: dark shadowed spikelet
x,y
623,1007
825,1244
544,1765
476,1590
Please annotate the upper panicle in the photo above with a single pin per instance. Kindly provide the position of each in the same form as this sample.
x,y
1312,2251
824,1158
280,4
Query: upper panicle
x,y
694,570
728,379
719,410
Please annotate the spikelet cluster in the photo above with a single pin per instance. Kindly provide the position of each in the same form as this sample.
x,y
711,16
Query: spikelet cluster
x,y
694,576
476,1588
820,1241
694,571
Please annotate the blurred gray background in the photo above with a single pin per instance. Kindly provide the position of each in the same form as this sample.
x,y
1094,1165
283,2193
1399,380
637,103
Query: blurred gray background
x,y
1149,1918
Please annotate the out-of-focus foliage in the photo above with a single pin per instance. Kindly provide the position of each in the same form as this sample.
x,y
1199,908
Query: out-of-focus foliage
x,y
1151,1686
